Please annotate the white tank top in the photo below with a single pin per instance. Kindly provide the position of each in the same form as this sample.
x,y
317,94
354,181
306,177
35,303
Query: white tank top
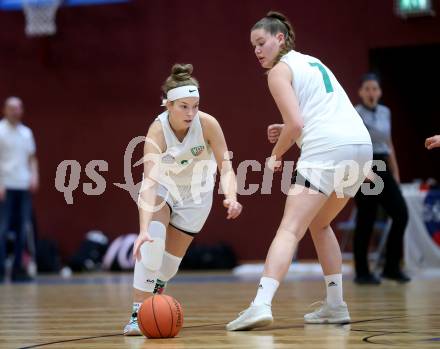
x,y
186,165
330,120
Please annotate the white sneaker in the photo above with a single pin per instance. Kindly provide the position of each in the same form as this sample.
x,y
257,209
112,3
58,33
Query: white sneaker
x,y
327,314
253,317
132,328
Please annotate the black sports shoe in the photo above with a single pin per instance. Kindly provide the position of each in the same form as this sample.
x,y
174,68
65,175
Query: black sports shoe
x,y
398,276
367,279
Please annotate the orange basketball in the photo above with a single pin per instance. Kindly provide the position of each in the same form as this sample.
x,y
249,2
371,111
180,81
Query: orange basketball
x,y
160,316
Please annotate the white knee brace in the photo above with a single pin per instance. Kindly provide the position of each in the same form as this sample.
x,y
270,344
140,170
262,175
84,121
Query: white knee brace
x,y
145,272
144,279
170,266
152,252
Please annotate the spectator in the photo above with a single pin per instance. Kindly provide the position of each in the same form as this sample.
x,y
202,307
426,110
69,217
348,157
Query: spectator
x,y
377,119
18,179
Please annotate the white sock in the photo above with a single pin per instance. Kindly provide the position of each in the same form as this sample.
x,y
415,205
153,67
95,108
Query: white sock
x,y
333,284
266,291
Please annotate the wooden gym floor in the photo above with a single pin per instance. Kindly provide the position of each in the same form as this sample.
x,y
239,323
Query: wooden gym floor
x,y
89,311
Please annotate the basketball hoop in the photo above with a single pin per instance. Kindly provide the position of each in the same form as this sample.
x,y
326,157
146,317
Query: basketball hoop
x,y
40,17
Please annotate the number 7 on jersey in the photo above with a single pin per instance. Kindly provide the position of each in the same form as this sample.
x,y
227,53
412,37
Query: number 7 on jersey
x,y
325,77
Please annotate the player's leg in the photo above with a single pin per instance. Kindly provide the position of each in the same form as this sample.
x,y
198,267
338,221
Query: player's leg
x,y
299,211
326,244
301,207
347,179
177,244
144,280
187,220
327,247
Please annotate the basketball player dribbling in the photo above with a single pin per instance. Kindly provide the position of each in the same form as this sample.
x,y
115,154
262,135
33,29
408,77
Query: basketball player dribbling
x,y
183,149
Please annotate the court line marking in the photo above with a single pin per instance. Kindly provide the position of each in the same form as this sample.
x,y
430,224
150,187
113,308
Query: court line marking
x,y
365,339
368,338
103,336
380,333
70,340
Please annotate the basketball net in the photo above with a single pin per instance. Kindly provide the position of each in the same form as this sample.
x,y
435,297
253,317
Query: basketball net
x,y
40,17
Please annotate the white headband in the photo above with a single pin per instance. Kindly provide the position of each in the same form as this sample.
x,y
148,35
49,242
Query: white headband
x,y
181,92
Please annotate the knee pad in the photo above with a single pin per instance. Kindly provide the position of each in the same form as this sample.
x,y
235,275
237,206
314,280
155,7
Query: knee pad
x,y
170,266
152,252
144,279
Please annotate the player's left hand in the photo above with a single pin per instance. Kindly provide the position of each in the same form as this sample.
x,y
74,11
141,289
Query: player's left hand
x,y
234,208
273,132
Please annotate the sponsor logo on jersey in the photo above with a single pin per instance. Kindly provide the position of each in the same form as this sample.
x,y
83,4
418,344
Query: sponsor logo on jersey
x,y
196,151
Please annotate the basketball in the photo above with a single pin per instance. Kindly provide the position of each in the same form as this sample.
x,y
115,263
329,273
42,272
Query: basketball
x,y
160,316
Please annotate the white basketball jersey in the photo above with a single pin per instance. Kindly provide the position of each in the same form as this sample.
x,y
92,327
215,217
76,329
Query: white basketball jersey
x,y
187,165
330,120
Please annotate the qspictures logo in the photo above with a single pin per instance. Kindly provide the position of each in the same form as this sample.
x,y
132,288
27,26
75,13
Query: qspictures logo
x,y
346,174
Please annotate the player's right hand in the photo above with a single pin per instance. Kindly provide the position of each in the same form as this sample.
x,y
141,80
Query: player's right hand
x,y
273,132
234,208
143,237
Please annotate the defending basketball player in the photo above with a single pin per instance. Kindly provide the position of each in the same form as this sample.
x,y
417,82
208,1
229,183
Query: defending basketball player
x,y
183,149
319,117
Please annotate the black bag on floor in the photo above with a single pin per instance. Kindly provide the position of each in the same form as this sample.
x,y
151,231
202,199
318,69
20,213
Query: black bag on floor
x,y
90,253
220,256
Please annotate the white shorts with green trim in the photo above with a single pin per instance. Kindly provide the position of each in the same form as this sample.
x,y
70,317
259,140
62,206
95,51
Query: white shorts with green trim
x,y
190,211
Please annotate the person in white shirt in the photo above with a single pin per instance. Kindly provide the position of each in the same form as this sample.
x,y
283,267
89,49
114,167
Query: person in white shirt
x,y
183,149
336,152
18,179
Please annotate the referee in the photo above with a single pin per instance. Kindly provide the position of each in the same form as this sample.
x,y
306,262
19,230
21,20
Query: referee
x,y
377,119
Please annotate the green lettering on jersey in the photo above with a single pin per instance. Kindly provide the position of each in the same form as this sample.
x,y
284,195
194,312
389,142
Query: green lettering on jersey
x,y
196,151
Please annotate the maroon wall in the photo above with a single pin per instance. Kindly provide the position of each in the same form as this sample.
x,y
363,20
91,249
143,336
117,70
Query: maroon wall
x,y
96,85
